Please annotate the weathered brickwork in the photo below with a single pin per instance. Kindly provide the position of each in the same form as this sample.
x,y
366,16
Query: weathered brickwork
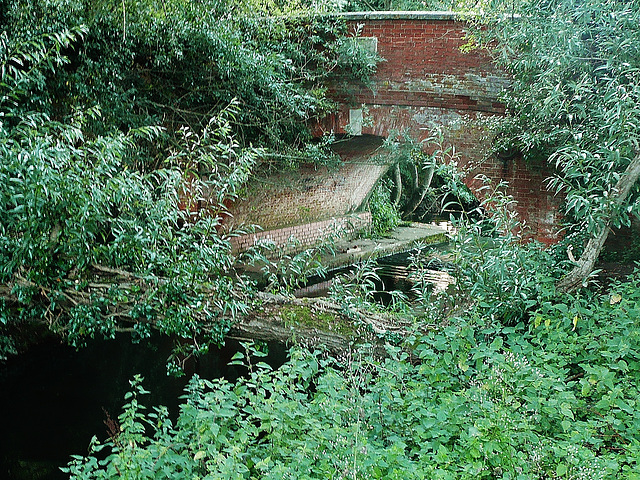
x,y
425,64
306,234
306,195
429,81
311,202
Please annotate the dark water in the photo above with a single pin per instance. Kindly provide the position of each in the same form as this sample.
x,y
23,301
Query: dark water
x,y
395,274
53,398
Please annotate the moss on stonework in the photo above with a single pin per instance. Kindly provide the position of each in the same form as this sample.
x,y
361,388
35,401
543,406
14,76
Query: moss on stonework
x,y
433,239
304,317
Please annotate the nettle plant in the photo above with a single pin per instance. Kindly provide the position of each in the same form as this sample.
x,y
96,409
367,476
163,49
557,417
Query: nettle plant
x,y
500,274
470,399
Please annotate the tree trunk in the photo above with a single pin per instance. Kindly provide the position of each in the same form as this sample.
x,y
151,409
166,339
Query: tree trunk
x,y
418,197
314,322
398,184
574,279
339,334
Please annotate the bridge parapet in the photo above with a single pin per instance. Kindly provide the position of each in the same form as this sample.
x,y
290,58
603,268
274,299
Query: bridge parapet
x,y
429,61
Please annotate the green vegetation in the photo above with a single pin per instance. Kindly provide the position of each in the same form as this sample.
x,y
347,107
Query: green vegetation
x,y
574,102
556,399
433,5
425,176
505,277
127,129
384,215
118,117
177,64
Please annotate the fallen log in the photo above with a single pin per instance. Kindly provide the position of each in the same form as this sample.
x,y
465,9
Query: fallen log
x,y
313,322
316,322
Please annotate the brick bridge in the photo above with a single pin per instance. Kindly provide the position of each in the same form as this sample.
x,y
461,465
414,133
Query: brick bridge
x,y
427,80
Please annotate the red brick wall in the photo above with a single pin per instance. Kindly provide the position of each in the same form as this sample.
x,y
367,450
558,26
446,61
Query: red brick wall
x,y
306,234
537,207
425,66
428,82
310,202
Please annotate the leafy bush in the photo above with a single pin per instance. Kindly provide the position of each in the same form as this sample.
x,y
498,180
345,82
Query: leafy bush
x,y
573,102
500,275
126,131
357,288
72,208
384,215
283,270
176,63
557,399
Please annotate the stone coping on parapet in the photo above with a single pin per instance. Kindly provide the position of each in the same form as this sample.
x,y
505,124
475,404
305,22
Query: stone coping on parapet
x,y
402,239
402,15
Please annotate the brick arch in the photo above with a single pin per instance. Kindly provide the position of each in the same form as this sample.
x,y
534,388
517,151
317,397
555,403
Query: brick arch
x,y
428,81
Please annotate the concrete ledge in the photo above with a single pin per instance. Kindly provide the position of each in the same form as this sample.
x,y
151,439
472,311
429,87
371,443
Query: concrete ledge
x,y
402,239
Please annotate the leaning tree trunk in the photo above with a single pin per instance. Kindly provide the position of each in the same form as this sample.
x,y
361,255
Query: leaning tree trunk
x,y
585,265
397,193
418,197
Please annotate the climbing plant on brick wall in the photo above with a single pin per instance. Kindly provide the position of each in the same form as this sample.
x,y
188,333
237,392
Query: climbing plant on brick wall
x,y
574,103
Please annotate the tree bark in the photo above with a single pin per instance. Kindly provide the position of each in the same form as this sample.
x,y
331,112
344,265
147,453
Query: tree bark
x,y
397,193
267,324
418,197
314,322
585,265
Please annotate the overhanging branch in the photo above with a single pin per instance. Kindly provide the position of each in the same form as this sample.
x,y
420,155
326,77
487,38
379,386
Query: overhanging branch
x,y
313,322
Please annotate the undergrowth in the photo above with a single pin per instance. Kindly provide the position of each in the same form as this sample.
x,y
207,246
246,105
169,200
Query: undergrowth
x,y
554,399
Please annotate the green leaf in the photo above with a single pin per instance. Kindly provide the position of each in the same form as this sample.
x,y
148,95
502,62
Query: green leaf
x,y
561,470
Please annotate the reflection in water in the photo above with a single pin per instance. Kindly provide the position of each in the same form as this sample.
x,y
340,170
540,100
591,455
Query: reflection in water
x,y
395,272
53,398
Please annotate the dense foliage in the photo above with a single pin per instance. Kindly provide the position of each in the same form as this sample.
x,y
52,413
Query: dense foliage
x,y
506,277
425,176
575,97
430,5
180,63
574,102
126,130
72,209
557,399
118,116
384,215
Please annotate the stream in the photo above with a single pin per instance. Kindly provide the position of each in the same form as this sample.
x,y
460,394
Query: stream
x,y
53,398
